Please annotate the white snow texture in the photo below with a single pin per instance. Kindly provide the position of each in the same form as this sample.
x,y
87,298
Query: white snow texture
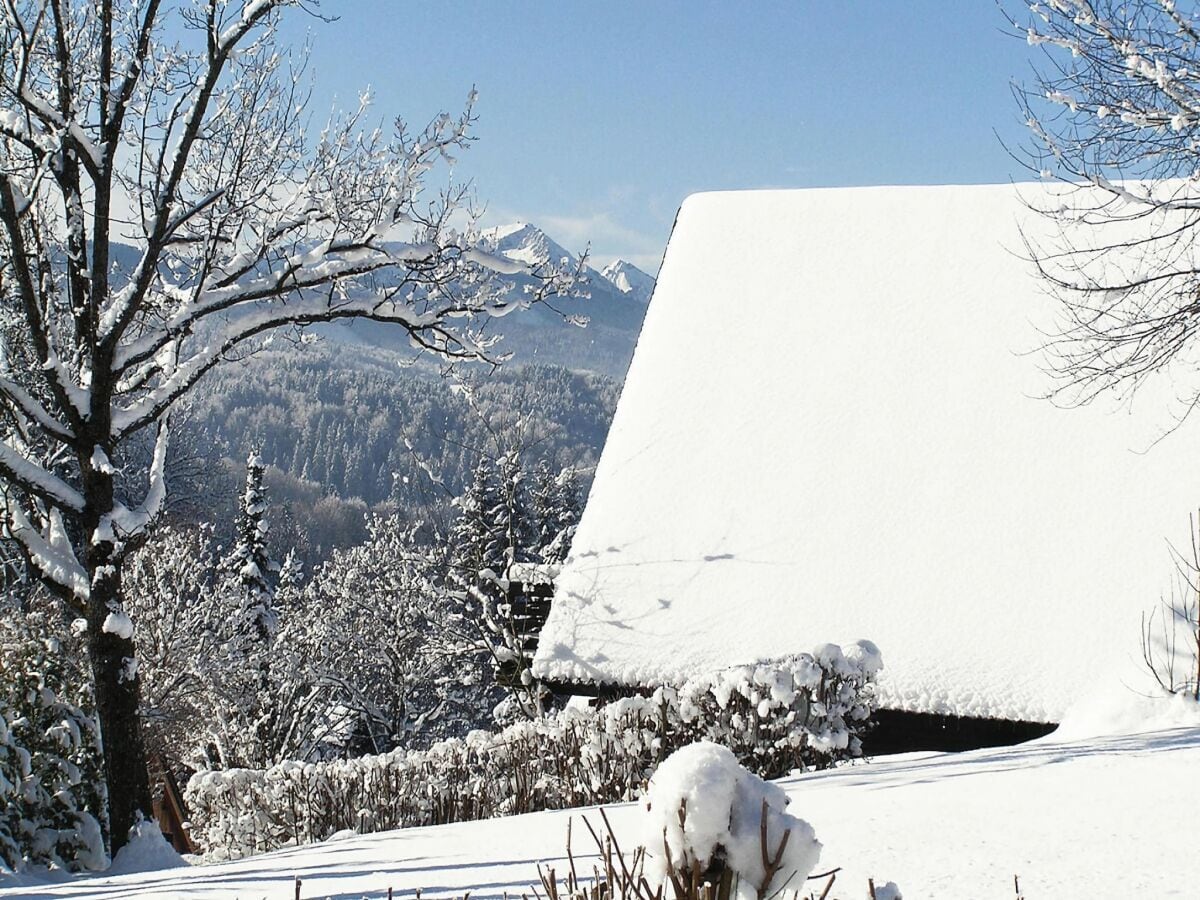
x,y
834,427
118,622
1072,820
147,851
723,805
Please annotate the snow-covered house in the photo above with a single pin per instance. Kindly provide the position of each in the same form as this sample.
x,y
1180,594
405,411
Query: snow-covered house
x,y
834,427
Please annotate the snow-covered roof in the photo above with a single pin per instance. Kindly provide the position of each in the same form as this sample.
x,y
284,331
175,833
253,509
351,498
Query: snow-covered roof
x,y
833,429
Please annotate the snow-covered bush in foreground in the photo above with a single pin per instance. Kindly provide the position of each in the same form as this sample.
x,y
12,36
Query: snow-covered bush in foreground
x,y
147,851
707,816
801,712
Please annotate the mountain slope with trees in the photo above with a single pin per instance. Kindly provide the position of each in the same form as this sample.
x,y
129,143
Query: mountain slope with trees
x,y
342,433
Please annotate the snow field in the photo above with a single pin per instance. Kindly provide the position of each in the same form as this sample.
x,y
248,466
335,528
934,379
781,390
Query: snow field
x,y
1106,817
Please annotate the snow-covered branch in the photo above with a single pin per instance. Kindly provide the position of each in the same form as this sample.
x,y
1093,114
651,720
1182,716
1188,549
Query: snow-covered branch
x,y
18,469
131,523
1114,115
50,552
26,405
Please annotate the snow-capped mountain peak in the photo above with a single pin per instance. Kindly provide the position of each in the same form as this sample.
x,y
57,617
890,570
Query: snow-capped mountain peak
x,y
629,279
528,244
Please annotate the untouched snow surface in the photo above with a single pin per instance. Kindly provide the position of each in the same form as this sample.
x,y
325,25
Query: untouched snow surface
x,y
870,457
1100,818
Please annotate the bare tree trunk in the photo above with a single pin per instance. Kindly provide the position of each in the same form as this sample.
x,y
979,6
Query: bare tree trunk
x,y
113,658
117,699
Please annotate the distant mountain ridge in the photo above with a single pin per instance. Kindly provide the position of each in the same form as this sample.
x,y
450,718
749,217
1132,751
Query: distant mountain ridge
x,y
529,244
614,308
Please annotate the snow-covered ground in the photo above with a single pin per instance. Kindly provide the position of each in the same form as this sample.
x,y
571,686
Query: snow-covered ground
x,y
1099,817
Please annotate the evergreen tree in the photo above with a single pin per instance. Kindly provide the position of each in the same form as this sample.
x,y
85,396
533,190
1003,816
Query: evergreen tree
x,y
478,541
241,684
290,581
52,799
505,525
250,563
480,555
554,503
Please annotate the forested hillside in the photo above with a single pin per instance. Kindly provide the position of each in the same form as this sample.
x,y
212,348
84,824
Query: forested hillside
x,y
345,429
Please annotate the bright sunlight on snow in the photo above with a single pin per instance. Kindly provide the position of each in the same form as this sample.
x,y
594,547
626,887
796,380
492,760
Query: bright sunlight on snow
x,y
865,453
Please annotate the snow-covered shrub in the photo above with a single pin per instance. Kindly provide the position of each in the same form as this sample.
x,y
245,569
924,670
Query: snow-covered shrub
x,y
802,711
806,712
360,658
573,759
711,830
147,851
52,803
386,646
171,593
706,816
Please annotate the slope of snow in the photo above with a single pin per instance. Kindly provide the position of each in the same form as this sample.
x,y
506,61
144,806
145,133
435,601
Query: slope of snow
x,y
873,460
1097,819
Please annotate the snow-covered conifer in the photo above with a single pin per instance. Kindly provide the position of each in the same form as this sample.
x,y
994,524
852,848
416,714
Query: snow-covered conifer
x,y
479,535
52,802
491,533
249,562
554,501
508,522
244,685
290,581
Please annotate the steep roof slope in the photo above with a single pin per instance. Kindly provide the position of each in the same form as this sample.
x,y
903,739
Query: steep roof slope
x,y
832,429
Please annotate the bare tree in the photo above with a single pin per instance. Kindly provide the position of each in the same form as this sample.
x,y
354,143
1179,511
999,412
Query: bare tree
x,y
162,209
1174,661
1114,111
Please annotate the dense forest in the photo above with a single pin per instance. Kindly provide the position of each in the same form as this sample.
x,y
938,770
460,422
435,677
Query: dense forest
x,y
343,430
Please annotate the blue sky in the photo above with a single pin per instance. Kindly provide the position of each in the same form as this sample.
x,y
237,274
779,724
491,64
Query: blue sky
x,y
596,120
